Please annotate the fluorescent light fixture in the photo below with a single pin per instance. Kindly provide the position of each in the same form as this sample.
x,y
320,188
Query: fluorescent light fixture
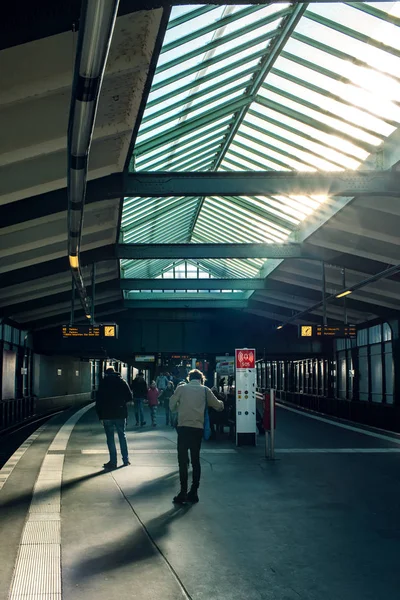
x,y
74,262
280,327
346,293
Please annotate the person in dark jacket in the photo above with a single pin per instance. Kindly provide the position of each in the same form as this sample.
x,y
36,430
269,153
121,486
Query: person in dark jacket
x,y
111,400
164,397
139,391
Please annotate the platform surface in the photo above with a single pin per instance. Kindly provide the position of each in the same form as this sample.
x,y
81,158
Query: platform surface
x,y
322,521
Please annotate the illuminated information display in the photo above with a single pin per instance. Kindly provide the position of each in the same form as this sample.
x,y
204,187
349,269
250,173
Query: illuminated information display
x,y
317,331
102,330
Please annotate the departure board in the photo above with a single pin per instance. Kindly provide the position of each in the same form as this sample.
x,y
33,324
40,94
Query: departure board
x,y
336,331
102,330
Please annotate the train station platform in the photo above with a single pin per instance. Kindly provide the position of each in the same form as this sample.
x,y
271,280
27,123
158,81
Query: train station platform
x,y
322,521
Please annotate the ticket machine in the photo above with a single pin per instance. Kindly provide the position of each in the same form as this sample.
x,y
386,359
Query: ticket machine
x,y
245,380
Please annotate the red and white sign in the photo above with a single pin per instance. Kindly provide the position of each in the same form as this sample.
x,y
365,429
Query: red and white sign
x,y
245,359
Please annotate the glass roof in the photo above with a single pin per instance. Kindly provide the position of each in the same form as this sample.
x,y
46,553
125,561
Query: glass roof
x,y
260,88
183,269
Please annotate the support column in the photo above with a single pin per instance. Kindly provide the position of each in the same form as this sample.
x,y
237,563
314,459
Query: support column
x,y
325,320
344,298
71,321
93,291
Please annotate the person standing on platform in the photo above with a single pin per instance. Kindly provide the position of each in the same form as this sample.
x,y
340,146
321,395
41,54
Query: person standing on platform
x,y
165,396
111,406
152,397
139,391
162,382
191,401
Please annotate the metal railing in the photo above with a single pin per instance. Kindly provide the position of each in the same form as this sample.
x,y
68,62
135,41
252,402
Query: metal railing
x,y
16,411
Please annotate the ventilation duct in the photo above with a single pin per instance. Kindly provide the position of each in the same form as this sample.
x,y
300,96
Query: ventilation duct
x,y
95,32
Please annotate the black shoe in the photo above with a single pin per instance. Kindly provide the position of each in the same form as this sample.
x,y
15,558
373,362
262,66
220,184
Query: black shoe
x,y
126,463
154,424
137,424
109,466
180,498
143,424
192,496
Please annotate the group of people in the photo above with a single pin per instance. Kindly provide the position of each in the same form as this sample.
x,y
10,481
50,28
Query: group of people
x,y
159,392
185,408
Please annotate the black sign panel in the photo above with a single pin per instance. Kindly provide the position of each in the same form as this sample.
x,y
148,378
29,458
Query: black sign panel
x,y
336,331
102,330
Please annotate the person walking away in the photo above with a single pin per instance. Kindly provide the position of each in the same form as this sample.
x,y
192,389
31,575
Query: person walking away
x,y
162,382
191,401
217,418
152,397
164,397
139,391
111,400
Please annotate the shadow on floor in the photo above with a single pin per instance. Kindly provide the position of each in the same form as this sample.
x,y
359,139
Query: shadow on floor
x,y
24,499
136,546
157,484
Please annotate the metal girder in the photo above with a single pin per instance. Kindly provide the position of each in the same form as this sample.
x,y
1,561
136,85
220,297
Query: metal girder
x,y
345,183
195,251
150,4
191,304
47,301
43,205
52,267
333,297
193,284
55,320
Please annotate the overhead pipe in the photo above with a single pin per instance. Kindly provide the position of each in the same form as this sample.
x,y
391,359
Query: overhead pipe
x,y
96,27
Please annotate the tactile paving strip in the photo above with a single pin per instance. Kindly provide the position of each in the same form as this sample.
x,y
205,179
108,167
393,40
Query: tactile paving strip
x,y
41,532
37,573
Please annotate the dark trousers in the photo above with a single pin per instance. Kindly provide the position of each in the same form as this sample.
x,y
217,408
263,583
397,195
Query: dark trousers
x,y
119,425
189,438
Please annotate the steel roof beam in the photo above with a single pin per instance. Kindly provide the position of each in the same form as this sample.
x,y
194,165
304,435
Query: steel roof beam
x,y
198,251
151,4
349,289
55,266
345,183
190,304
47,301
194,284
50,203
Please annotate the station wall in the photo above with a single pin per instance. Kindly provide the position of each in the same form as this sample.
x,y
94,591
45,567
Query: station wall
x,y
60,376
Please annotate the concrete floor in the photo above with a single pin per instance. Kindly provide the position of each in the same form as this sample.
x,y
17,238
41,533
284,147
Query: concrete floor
x,y
311,525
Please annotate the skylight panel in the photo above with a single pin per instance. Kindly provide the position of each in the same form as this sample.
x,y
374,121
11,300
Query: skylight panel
x,y
190,24
330,99
316,133
361,23
320,116
327,101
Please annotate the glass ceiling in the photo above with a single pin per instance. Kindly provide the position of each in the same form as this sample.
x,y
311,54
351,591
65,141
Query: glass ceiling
x,y
260,88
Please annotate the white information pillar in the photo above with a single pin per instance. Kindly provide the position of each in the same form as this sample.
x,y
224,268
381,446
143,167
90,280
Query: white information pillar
x,y
245,382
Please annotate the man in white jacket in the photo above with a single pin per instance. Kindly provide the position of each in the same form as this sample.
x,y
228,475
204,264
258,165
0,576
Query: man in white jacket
x,y
190,402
